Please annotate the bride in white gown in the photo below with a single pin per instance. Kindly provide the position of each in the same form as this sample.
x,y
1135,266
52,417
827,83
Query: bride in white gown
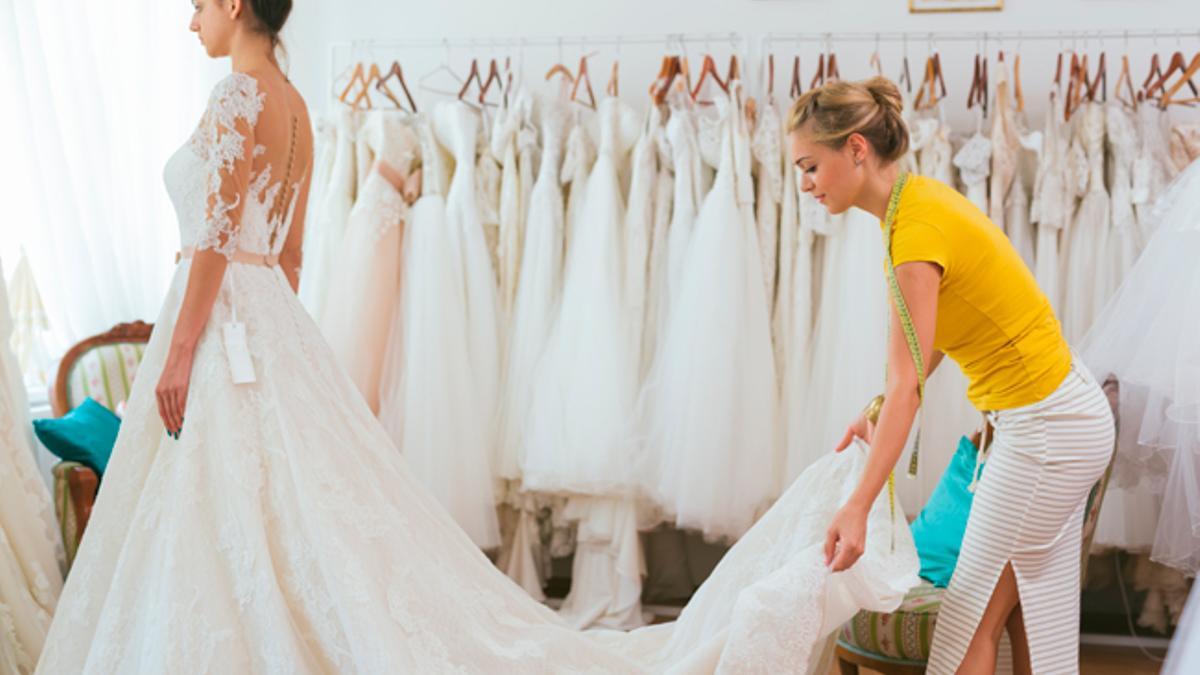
x,y
282,532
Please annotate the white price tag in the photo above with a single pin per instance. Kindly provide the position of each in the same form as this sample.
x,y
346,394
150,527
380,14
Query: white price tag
x,y
241,367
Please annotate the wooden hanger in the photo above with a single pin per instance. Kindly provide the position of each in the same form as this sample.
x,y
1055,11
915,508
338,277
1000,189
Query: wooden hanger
x,y
493,77
614,85
398,73
905,75
364,94
1168,97
831,70
1058,72
933,84
876,63
797,88
472,76
771,76
1017,93
1177,65
1100,81
819,76
1124,79
979,85
1077,82
708,70
734,70
667,73
1152,77
583,78
356,77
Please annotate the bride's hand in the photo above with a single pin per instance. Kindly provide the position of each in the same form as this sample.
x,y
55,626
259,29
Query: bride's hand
x,y
859,428
846,538
172,390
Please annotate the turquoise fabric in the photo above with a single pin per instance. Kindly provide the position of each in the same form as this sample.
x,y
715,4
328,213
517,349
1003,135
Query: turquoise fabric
x,y
938,530
85,435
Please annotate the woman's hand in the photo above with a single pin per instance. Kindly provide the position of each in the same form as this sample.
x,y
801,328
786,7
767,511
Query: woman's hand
x,y
859,428
846,538
173,389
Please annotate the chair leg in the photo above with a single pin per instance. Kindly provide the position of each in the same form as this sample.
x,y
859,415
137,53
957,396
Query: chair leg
x,y
847,668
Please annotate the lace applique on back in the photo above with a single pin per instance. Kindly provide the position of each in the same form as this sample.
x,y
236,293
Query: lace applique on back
x,y
221,180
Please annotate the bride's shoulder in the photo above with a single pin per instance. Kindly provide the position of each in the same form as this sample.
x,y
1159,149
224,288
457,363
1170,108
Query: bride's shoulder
x,y
237,95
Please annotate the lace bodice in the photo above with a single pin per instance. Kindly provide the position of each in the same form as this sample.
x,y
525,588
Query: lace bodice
x,y
681,139
225,189
974,160
619,127
552,118
1122,142
1093,133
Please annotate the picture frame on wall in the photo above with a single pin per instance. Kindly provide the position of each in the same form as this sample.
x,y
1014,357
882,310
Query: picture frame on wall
x,y
921,6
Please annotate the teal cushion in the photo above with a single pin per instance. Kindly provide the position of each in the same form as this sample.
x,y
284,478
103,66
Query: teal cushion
x,y
85,435
938,530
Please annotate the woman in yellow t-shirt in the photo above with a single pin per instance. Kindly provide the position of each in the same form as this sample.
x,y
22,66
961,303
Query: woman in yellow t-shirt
x,y
959,288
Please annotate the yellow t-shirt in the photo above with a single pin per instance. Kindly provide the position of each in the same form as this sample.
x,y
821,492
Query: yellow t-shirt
x,y
992,318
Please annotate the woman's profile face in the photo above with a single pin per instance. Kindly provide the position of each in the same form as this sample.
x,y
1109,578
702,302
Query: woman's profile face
x,y
213,21
830,175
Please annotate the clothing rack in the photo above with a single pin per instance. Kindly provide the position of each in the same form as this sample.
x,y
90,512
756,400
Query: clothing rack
x,y
342,52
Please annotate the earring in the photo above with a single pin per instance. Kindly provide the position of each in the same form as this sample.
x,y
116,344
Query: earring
x,y
857,162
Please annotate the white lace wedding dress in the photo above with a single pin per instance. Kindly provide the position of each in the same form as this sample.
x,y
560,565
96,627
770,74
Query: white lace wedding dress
x,y
283,532
31,556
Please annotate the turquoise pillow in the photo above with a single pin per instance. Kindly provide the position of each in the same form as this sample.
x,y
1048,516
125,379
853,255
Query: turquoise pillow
x,y
85,435
938,530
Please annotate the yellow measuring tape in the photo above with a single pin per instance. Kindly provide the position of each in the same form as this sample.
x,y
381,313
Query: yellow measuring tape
x,y
906,322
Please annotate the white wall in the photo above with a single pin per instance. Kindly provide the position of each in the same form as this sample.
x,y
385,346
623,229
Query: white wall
x,y
315,25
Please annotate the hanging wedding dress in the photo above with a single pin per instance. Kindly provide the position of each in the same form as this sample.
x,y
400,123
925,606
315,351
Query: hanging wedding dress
x,y
1124,244
1087,272
1153,349
583,397
768,154
1152,169
793,325
425,406
689,191
534,309
365,280
323,234
656,273
456,126
577,166
639,229
791,320
1008,199
974,161
536,300
31,556
1051,204
503,148
849,344
710,402
309,547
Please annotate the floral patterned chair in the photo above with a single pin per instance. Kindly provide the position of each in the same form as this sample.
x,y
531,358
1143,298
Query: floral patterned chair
x,y
899,643
102,367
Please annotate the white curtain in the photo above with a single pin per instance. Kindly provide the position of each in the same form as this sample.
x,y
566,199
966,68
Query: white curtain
x,y
96,97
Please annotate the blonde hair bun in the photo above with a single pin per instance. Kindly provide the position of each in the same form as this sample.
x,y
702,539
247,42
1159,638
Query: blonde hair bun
x,y
872,108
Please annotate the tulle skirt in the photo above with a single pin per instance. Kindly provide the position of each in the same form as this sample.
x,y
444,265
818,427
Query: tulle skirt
x,y
1149,338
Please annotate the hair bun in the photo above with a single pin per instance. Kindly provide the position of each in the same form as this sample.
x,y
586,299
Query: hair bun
x,y
273,14
886,94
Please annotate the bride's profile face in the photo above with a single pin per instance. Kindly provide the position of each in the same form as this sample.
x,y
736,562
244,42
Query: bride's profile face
x,y
830,175
214,22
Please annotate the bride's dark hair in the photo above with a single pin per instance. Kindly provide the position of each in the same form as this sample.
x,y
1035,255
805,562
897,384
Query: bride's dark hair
x,y
271,15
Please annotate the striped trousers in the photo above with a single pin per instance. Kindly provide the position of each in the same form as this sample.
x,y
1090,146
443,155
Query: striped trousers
x,y
1028,510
